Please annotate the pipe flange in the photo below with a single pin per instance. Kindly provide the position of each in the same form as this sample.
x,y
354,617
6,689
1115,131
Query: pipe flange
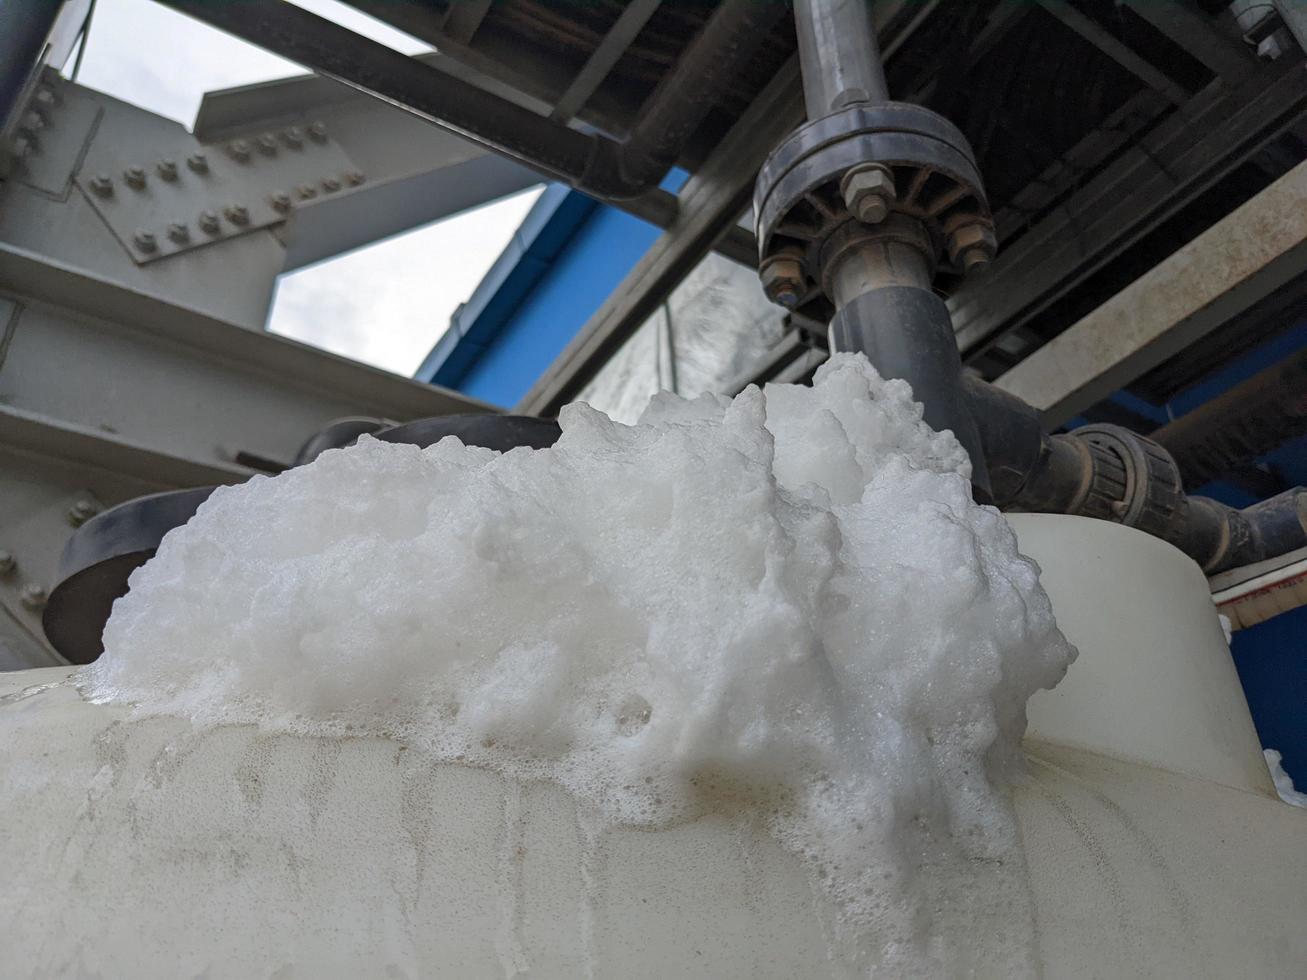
x,y
856,234
921,164
1152,495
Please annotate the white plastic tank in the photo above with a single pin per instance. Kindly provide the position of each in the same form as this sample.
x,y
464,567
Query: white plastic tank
x,y
1154,843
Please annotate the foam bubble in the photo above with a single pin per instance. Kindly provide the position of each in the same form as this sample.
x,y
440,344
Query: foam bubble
x,y
1284,787
786,603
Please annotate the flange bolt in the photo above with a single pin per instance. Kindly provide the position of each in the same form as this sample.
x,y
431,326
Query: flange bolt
x,y
972,245
179,233
209,223
102,184
146,241
868,192
782,279
198,162
167,169
135,177
237,214
280,202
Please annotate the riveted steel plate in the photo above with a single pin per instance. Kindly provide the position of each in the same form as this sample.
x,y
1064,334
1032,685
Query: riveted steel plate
x,y
67,121
160,210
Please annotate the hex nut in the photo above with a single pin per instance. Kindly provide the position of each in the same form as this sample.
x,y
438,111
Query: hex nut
x,y
179,233
782,280
145,240
239,150
7,563
306,192
209,223
869,192
318,132
32,597
293,137
45,97
267,145
167,169
198,163
237,214
102,185
135,177
354,178
972,245
31,123
330,184
280,201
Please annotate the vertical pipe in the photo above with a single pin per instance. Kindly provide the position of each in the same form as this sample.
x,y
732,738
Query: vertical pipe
x,y
839,54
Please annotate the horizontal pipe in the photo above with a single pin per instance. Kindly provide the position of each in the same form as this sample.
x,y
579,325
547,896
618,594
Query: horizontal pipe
x,y
592,163
669,117
1033,471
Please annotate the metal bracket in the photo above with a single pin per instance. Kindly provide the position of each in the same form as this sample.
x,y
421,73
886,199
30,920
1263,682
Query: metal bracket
x,y
180,195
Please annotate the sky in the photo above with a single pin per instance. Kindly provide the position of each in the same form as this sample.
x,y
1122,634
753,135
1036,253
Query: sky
x,y
385,304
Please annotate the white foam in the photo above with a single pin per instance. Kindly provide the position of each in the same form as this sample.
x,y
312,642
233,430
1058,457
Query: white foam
x,y
787,602
1283,781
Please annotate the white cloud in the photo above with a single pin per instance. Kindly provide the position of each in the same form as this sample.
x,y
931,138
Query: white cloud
x,y
148,54
385,304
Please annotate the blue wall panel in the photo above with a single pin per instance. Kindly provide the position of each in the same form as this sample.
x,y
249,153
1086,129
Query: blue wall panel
x,y
601,253
1272,662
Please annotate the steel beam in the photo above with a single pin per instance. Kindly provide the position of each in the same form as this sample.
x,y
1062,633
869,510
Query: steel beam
x,y
1222,54
1232,430
300,371
396,150
601,61
1061,176
463,19
1169,166
602,167
1244,257
711,201
85,447
1121,53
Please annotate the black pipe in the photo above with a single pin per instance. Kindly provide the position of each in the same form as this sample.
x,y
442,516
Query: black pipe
x,y
905,331
840,54
1113,474
592,163
669,117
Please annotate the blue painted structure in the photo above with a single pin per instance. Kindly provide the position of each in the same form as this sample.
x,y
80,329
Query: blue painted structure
x,y
571,252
